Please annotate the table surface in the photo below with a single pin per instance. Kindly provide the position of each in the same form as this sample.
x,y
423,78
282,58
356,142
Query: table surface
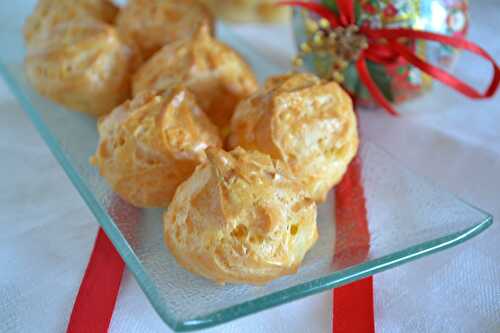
x,y
48,232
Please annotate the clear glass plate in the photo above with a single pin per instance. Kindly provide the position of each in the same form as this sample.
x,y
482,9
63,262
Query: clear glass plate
x,y
408,217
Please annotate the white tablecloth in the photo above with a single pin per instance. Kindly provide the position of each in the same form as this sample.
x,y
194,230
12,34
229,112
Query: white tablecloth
x,y
47,231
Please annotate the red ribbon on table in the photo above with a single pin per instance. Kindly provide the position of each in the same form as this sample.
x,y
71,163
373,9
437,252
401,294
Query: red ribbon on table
x,y
99,289
387,45
352,303
95,302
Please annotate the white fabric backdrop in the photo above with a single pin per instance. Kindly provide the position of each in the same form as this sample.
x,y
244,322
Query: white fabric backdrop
x,y
47,231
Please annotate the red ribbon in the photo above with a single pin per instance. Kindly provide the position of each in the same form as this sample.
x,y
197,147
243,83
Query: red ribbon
x,y
352,303
386,47
96,297
353,307
100,285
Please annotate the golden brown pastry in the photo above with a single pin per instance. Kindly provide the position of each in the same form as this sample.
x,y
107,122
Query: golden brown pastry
x,y
151,144
303,121
151,24
83,66
216,74
240,218
249,10
50,13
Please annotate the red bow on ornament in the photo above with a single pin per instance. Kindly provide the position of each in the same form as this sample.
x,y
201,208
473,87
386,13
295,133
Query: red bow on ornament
x,y
384,46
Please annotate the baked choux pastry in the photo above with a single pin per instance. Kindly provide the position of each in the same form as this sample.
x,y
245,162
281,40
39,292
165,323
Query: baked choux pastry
x,y
50,13
151,144
82,66
249,10
307,123
240,218
216,74
151,24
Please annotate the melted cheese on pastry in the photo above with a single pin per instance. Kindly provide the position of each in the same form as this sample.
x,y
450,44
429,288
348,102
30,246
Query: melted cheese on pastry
x,y
84,66
151,24
216,74
149,145
307,123
240,218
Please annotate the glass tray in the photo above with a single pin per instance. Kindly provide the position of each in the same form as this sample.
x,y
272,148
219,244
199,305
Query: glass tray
x,y
408,217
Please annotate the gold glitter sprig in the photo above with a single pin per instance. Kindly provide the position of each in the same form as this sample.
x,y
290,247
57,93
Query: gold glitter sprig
x,y
344,44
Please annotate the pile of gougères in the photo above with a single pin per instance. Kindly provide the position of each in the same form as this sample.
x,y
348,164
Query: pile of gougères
x,y
184,125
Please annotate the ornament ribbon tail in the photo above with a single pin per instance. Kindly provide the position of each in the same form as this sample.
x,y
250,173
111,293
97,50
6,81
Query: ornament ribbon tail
x,y
364,76
394,46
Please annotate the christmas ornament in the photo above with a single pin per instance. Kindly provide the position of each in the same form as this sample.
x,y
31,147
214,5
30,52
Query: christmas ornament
x,y
385,51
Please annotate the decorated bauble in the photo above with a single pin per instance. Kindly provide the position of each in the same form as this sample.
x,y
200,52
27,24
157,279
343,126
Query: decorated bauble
x,y
398,81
